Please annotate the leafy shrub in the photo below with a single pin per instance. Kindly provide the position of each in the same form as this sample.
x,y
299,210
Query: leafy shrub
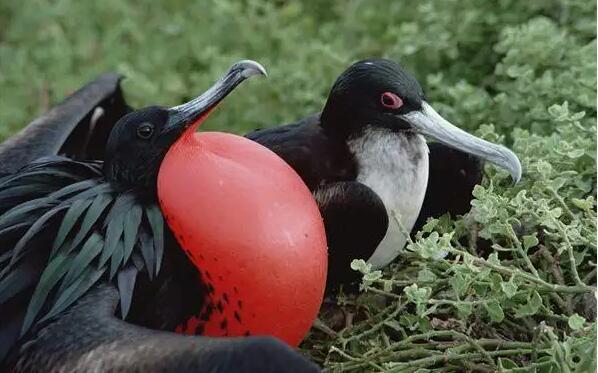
x,y
510,286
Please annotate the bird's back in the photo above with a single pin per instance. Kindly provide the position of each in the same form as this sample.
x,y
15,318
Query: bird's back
x,y
309,151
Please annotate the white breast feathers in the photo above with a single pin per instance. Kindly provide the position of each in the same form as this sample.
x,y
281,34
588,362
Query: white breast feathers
x,y
395,166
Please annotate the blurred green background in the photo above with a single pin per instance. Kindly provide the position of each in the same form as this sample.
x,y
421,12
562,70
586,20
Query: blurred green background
x,y
463,52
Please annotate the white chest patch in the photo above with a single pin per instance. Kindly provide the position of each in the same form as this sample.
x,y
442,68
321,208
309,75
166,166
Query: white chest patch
x,y
395,166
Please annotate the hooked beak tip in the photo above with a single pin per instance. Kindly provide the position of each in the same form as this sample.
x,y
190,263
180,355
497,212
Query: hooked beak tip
x,y
249,68
516,175
429,123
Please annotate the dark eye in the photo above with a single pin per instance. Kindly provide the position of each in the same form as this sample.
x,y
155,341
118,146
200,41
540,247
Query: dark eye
x,y
145,130
391,101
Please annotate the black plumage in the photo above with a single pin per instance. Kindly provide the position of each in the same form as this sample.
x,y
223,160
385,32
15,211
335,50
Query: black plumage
x,y
78,127
364,156
305,146
453,175
354,216
83,241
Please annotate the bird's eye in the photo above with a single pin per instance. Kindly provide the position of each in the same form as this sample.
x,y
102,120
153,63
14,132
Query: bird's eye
x,y
391,101
145,130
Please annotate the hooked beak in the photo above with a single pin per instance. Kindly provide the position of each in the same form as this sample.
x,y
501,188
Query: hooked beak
x,y
191,114
429,123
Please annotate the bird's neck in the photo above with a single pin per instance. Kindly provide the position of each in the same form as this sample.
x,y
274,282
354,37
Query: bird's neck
x,y
338,123
140,176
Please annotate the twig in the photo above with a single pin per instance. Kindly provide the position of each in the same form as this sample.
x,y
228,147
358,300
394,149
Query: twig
x,y
561,202
382,292
349,357
321,326
396,216
572,263
522,252
433,360
374,328
555,269
590,277
536,280
473,238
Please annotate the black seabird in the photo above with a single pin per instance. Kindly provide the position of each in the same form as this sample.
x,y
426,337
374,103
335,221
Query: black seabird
x,y
366,160
78,236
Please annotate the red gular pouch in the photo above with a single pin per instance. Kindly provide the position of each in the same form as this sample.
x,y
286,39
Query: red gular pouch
x,y
253,230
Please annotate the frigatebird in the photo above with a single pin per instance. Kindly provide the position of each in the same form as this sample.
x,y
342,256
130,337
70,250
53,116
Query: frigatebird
x,y
77,237
365,158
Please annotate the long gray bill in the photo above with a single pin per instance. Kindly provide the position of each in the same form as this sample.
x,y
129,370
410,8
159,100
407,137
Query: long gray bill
x,y
429,123
186,113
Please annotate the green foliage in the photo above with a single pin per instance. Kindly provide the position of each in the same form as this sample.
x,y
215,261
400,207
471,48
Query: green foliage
x,y
508,287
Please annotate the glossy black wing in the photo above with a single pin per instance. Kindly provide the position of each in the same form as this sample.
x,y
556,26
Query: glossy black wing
x,y
63,229
90,338
307,149
453,174
355,221
78,127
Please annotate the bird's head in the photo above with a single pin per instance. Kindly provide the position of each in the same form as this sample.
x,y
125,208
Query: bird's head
x,y
139,140
379,93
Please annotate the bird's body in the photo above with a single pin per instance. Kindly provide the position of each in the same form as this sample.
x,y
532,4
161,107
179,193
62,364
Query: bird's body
x,y
318,158
91,277
366,160
393,166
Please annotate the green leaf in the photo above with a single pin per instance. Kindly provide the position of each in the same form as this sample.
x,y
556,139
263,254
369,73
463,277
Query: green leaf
x,y
493,259
419,296
372,276
534,302
494,310
430,225
576,322
426,275
460,283
583,204
416,294
387,285
361,266
530,241
509,288
576,153
464,309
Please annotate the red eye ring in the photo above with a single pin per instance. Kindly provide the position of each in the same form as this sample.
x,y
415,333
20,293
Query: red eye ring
x,y
391,101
